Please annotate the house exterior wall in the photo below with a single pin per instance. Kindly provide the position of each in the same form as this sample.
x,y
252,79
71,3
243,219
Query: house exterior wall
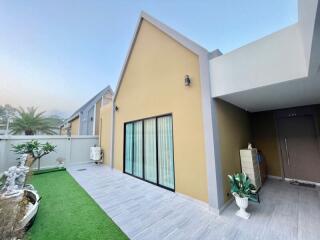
x,y
307,13
97,118
107,98
63,131
234,134
87,122
75,125
265,138
264,132
154,79
106,131
260,63
89,112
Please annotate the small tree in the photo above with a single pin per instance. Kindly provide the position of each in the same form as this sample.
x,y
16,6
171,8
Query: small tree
x,y
34,148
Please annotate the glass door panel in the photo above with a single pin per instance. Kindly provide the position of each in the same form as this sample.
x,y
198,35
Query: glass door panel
x,y
165,152
128,148
150,150
137,149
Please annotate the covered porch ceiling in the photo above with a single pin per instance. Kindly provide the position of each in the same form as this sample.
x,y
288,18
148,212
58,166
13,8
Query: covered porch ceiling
x,y
292,93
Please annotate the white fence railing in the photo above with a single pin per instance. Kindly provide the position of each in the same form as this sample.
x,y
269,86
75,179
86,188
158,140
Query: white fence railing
x,y
73,150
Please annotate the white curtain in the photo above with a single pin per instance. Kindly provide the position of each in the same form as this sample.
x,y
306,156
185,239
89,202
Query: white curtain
x,y
150,157
165,152
137,145
128,147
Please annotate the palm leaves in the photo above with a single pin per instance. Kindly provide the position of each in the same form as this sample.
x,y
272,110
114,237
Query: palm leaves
x,y
31,122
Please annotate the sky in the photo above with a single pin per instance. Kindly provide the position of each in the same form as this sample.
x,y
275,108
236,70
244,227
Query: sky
x,y
56,55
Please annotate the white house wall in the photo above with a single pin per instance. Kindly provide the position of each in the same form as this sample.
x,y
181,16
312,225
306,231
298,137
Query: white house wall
x,y
72,150
277,58
307,14
273,59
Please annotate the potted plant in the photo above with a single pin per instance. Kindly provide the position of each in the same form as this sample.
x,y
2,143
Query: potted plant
x,y
242,190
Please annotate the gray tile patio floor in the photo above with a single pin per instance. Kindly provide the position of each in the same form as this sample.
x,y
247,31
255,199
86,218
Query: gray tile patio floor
x,y
144,211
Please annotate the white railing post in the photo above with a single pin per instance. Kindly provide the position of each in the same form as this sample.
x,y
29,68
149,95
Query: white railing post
x,y
68,150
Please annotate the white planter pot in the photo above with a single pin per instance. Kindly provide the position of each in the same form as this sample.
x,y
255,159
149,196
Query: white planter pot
x,y
242,204
60,165
32,208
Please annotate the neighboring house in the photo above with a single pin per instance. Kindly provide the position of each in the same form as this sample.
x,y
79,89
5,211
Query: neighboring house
x,y
105,131
86,120
181,114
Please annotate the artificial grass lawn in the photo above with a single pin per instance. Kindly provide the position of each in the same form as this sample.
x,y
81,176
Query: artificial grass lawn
x,y
67,212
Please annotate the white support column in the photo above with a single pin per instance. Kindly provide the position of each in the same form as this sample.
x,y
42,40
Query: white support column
x,y
68,150
212,149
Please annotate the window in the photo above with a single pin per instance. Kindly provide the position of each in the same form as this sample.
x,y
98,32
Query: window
x,y
148,150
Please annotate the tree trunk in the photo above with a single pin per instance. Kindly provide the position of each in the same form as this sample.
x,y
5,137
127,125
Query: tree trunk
x,y
38,164
28,132
30,161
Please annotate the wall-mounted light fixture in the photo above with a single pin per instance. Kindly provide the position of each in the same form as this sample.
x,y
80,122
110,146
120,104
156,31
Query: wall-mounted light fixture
x,y
187,81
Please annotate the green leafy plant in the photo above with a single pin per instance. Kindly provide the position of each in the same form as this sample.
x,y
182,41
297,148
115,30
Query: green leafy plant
x,y
241,185
34,148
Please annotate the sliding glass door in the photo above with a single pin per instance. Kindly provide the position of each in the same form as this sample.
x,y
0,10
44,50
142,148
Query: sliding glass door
x,y
149,150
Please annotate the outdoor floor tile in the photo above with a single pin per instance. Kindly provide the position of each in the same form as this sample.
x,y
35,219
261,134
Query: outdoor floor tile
x,y
144,211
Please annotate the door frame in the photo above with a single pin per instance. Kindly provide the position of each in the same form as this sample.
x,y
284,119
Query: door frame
x,y
289,113
157,160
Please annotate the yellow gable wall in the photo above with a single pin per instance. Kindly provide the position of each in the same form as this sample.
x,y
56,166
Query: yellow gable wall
x,y
235,133
105,131
153,84
75,124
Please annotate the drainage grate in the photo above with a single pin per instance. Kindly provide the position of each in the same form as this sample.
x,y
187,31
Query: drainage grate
x,y
82,169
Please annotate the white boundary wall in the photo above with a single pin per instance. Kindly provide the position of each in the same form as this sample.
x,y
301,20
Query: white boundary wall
x,y
73,150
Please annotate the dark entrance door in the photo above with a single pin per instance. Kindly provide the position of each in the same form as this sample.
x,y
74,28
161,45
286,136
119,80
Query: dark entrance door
x,y
299,148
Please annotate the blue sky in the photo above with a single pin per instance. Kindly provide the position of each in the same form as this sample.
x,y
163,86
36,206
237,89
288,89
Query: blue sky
x,y
57,54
